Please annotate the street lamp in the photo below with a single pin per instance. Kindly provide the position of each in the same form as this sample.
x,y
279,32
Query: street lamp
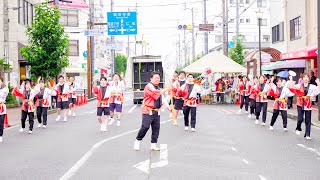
x,y
259,16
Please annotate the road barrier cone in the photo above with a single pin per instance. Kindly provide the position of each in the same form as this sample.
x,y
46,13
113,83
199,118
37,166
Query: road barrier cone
x,y
6,122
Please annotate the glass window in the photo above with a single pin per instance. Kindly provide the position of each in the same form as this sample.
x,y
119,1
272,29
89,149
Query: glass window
x,y
295,28
247,1
231,20
241,20
74,48
69,18
247,20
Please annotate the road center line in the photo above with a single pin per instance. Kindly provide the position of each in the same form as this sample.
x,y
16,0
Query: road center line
x,y
262,178
72,171
234,149
309,149
245,161
130,111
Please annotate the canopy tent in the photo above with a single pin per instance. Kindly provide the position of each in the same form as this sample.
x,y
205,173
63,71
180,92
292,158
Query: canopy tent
x,y
218,62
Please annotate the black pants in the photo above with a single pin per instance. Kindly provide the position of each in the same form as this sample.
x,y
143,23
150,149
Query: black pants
x,y
42,112
252,106
220,96
186,112
262,106
24,115
244,101
307,120
154,121
275,116
1,124
290,99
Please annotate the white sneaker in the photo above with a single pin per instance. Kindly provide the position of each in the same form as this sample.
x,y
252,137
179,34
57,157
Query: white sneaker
x,y
103,128
74,114
136,145
249,116
154,147
21,130
40,125
58,118
69,112
193,129
186,128
111,121
1,140
297,132
285,129
271,128
44,126
65,119
240,110
308,138
118,123
30,132
257,122
247,112
263,124
175,123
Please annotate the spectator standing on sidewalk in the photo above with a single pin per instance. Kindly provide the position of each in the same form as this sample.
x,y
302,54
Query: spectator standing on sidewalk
x,y
3,109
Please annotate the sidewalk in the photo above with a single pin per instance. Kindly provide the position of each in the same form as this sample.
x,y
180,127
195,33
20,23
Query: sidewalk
x,y
293,114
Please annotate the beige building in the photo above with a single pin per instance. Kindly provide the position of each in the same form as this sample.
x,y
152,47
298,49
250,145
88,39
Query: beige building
x,y
294,33
17,14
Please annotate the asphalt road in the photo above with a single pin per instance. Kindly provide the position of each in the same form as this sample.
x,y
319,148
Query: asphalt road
x,y
226,146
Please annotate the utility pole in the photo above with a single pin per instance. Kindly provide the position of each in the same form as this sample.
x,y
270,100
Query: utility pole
x,y
90,49
184,47
237,19
225,28
112,42
193,40
206,50
179,60
6,34
135,36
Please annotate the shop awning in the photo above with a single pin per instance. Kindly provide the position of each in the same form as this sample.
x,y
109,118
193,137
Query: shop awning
x,y
274,53
81,4
272,65
291,64
308,53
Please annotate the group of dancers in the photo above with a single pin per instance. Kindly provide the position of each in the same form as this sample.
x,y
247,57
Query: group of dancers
x,y
38,99
254,93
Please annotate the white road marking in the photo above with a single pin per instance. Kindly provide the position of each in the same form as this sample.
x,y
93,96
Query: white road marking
x,y
71,172
310,149
144,165
234,149
130,111
226,112
262,178
245,161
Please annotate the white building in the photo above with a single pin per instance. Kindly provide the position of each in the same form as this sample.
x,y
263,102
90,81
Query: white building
x,y
248,24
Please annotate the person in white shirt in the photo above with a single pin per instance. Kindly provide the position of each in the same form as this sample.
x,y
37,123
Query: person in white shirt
x,y
3,109
116,98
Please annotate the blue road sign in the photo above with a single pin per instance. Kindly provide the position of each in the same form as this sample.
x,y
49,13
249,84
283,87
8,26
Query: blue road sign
x,y
230,44
122,23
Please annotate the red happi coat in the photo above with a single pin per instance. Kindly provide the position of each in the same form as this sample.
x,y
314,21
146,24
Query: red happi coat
x,y
176,89
190,101
45,101
261,94
280,102
304,100
103,101
244,91
64,96
3,94
23,94
151,94
252,92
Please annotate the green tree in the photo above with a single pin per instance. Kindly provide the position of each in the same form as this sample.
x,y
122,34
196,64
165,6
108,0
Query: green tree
x,y
121,63
236,52
4,67
48,46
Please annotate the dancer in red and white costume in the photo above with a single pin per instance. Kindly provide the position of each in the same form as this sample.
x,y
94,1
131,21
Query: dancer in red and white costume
x,y
244,88
4,91
261,90
305,92
189,92
62,90
103,93
72,96
280,104
116,98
